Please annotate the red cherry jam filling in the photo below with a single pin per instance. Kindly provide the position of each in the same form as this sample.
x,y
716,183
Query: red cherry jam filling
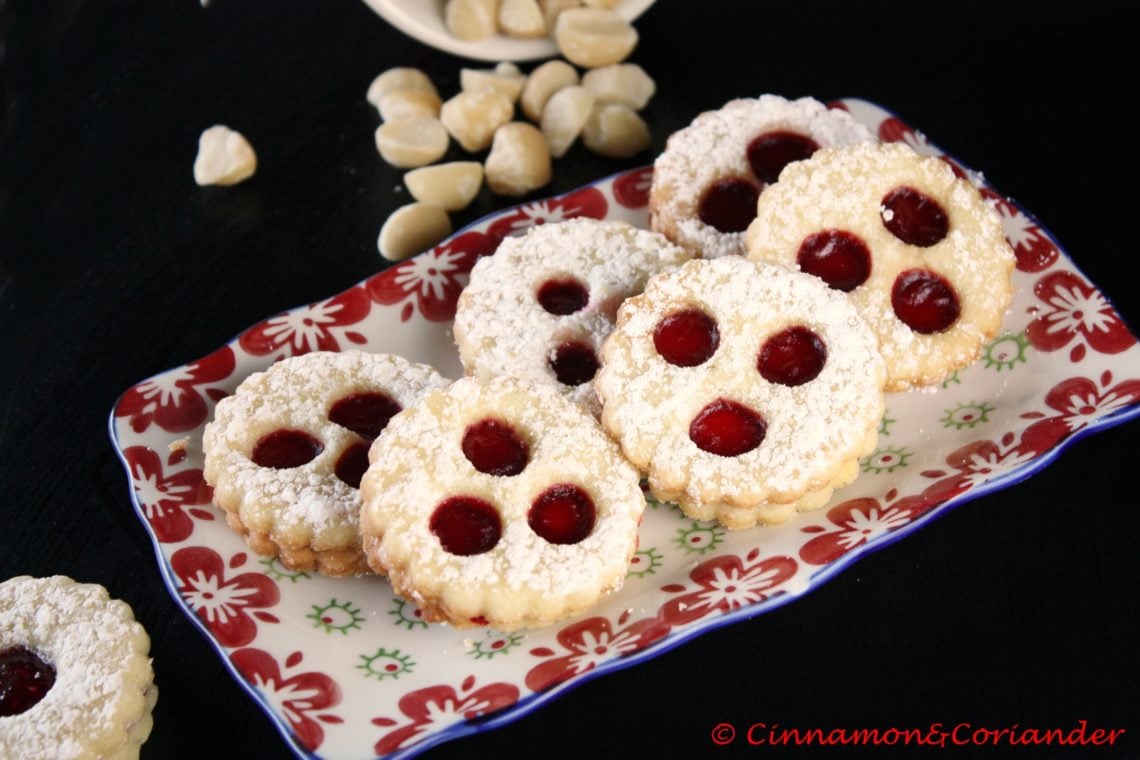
x,y
495,448
466,525
770,152
727,429
729,204
351,464
924,301
365,414
284,449
562,514
562,297
838,258
792,357
574,363
24,680
686,338
914,217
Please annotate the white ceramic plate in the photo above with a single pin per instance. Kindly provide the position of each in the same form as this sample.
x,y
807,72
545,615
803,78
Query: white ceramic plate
x,y
423,20
1063,365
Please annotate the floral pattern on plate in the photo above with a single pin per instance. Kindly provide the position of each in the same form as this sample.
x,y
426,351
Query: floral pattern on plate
x,y
1063,364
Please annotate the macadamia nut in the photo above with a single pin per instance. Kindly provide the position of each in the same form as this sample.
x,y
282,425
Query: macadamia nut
x,y
471,19
472,117
519,160
543,82
451,186
224,157
615,131
408,143
625,83
551,9
521,18
564,116
592,37
412,229
399,78
505,77
406,103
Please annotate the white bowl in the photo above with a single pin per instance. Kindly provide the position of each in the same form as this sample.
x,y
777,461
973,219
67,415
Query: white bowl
x,y
423,20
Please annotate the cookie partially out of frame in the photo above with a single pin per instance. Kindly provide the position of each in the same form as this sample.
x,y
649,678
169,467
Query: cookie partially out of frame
x,y
746,392
913,246
285,453
706,182
499,503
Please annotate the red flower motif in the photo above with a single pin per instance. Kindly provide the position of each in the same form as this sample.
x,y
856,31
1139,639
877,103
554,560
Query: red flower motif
x,y
590,643
1080,401
860,521
974,464
726,583
589,201
1076,311
632,188
437,707
1032,247
172,400
308,328
223,605
164,497
296,698
433,278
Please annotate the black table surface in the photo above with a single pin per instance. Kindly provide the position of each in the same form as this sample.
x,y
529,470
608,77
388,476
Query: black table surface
x,y
1019,608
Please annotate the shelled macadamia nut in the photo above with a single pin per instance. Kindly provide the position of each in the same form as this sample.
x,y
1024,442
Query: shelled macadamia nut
x,y
543,82
551,9
625,83
412,229
472,116
398,78
615,131
224,157
451,186
519,160
564,116
408,143
471,19
592,37
521,19
505,77
405,103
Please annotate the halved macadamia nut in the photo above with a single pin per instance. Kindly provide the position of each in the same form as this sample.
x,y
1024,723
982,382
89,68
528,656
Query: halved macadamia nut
x,y
519,160
452,186
405,103
412,229
398,78
471,19
522,19
564,116
614,130
625,83
472,117
592,37
408,143
505,77
542,83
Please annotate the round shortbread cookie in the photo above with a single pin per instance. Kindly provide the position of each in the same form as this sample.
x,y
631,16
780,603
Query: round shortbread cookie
x,y
916,249
541,305
745,391
286,452
706,181
499,503
75,670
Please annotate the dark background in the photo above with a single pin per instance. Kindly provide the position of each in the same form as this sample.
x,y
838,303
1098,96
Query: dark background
x,y
1018,608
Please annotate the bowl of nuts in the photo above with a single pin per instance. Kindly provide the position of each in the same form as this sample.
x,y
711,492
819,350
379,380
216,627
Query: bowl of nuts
x,y
516,30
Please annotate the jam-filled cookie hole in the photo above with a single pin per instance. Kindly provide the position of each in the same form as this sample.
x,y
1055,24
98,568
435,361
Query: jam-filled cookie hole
x,y
25,679
365,414
727,428
285,449
494,447
839,258
924,301
686,338
574,363
562,514
562,296
466,526
770,152
792,357
729,204
351,464
914,217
